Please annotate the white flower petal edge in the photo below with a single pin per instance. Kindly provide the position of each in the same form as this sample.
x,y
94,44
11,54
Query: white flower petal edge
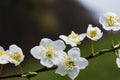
x,y
4,56
16,54
49,52
38,52
71,64
73,39
118,59
61,44
74,52
74,73
110,21
94,33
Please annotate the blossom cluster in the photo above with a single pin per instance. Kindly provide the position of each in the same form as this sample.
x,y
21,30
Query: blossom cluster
x,y
53,53
13,55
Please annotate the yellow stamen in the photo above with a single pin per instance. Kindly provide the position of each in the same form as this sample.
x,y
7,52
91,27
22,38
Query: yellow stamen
x,y
93,33
68,64
16,56
112,20
73,36
50,53
3,53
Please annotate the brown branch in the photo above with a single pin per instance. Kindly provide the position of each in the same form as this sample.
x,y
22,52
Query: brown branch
x,y
101,52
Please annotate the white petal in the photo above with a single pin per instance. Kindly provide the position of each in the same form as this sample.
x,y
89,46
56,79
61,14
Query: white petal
x,y
106,27
59,45
97,37
73,32
118,62
38,52
74,52
89,27
45,41
74,73
119,52
81,63
63,37
1,48
60,71
82,36
14,62
3,62
67,40
72,43
15,48
58,58
115,28
46,62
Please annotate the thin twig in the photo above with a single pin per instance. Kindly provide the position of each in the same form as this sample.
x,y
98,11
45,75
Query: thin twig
x,y
101,52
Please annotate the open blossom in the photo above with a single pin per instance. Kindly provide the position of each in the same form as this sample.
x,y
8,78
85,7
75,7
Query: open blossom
x,y
118,59
94,33
110,21
4,56
16,55
72,63
73,39
49,52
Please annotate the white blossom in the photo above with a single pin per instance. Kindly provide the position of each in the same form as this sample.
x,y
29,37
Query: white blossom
x,y
73,39
110,21
118,59
16,54
49,52
4,56
72,63
94,33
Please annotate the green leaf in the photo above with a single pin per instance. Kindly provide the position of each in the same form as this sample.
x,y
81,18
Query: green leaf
x,y
31,74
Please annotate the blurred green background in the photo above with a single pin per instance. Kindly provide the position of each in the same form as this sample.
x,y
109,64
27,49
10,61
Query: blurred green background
x,y
26,22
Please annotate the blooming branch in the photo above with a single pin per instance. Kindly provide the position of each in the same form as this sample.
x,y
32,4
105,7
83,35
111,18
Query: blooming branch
x,y
27,74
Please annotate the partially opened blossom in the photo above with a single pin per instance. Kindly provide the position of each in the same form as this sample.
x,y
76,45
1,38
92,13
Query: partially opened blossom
x,y
110,21
118,59
73,39
94,33
49,52
16,54
4,56
71,63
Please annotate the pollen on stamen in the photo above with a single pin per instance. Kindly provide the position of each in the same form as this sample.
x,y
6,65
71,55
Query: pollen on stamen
x,y
3,53
112,20
93,33
73,35
16,56
68,64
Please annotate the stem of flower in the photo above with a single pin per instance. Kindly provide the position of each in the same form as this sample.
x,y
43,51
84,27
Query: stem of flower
x,y
21,69
112,41
116,54
92,47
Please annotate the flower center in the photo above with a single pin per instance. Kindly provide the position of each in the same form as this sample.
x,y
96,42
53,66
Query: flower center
x,y
3,53
68,64
93,33
112,20
49,54
73,36
16,56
